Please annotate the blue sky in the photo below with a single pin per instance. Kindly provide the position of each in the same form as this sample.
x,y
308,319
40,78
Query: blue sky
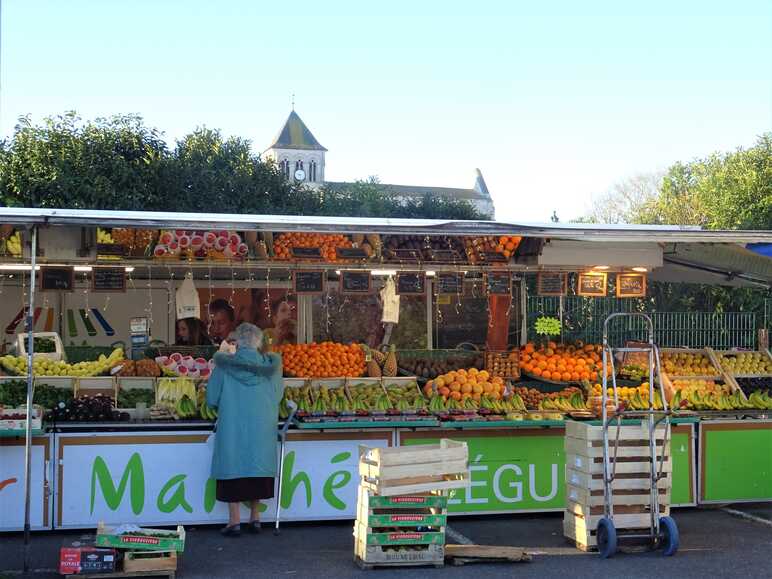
x,y
554,101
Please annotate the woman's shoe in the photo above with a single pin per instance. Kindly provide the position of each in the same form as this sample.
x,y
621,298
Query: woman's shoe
x,y
254,527
231,531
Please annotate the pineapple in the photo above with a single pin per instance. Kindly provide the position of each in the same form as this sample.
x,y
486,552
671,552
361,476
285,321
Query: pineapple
x,y
390,365
373,369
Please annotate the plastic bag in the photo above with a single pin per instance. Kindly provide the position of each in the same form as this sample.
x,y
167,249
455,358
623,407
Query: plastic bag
x,y
186,300
390,301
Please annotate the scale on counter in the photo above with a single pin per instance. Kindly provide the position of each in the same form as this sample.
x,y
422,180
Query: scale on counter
x,y
140,332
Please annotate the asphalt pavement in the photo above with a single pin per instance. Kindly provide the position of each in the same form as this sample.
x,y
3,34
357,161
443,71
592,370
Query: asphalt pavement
x,y
714,543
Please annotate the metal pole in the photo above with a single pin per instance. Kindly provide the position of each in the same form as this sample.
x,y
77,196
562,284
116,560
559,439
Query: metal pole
x,y
30,390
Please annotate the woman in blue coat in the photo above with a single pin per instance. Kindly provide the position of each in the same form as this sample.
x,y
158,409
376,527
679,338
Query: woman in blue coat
x,y
246,388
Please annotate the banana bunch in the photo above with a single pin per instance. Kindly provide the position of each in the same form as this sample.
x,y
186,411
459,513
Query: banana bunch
x,y
382,403
185,408
205,411
341,405
437,404
320,406
173,389
104,237
638,402
359,406
760,400
514,403
13,244
564,404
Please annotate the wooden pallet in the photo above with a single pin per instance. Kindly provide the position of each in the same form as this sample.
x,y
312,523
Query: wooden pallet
x,y
415,469
466,554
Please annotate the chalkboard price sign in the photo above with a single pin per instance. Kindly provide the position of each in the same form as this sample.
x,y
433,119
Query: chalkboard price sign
x,y
450,283
592,285
308,282
355,282
411,284
56,279
306,253
551,283
631,285
108,279
499,283
350,253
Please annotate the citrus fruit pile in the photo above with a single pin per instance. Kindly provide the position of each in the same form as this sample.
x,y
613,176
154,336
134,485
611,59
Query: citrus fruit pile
x,y
561,363
283,244
323,360
462,384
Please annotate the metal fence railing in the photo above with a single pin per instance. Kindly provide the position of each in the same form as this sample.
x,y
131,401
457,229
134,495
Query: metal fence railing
x,y
583,320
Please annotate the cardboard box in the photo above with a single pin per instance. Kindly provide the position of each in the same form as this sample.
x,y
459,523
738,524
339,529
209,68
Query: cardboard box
x,y
85,560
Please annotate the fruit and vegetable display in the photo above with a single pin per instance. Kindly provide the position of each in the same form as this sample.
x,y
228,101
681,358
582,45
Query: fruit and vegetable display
x,y
478,249
17,365
745,363
751,385
144,368
561,363
135,241
13,244
44,345
14,393
423,248
177,364
326,243
687,364
503,364
466,383
567,400
85,408
631,398
381,364
130,398
430,368
323,360
531,397
200,244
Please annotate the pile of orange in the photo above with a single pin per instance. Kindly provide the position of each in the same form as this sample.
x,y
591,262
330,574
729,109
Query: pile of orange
x,y
507,245
283,244
477,246
562,363
462,384
323,360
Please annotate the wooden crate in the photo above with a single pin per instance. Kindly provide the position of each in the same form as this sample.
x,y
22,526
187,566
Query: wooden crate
x,y
415,469
396,538
370,556
136,561
585,499
707,352
411,512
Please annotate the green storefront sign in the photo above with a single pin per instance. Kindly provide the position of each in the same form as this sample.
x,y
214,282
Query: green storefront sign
x,y
736,459
522,470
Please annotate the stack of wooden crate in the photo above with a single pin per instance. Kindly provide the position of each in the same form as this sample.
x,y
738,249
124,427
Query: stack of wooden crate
x,y
402,503
631,496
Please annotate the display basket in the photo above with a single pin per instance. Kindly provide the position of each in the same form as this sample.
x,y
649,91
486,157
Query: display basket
x,y
763,354
56,355
75,354
495,360
715,372
145,540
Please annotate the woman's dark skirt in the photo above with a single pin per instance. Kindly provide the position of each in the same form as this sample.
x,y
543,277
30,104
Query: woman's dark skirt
x,y
236,490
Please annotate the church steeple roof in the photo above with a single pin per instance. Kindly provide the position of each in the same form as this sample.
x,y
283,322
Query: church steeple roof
x,y
295,135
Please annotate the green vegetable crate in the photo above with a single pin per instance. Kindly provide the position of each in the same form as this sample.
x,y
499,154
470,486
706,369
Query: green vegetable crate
x,y
399,530
144,540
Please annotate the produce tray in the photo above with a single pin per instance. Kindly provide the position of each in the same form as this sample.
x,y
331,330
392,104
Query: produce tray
x,y
399,537
503,424
404,502
546,381
171,541
405,520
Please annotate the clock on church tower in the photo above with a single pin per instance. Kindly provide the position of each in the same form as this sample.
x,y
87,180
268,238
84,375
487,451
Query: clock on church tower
x,y
297,152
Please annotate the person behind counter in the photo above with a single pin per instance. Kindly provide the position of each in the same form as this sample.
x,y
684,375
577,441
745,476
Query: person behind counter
x,y
191,332
283,316
245,387
222,320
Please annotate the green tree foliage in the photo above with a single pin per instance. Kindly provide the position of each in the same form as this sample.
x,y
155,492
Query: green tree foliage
x,y
121,163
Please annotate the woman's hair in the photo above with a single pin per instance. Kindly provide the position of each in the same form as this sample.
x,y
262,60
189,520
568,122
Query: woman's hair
x,y
247,336
196,331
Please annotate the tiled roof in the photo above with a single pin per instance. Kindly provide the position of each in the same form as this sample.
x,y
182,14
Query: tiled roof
x,y
295,135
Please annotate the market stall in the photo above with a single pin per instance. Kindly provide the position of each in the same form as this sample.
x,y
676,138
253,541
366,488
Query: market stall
x,y
393,332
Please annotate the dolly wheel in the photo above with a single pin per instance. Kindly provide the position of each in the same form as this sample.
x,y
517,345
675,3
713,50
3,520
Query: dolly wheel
x,y
607,538
669,536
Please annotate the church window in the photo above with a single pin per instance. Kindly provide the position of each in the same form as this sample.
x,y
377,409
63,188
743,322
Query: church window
x,y
284,166
312,171
298,165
